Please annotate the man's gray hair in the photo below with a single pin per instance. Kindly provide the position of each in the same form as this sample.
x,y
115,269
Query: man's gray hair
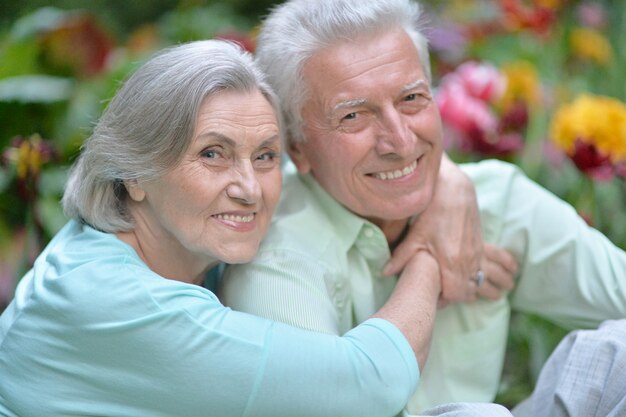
x,y
297,29
149,124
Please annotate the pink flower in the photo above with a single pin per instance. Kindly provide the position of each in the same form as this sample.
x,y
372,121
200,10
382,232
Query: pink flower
x,y
466,100
461,110
592,14
482,80
474,124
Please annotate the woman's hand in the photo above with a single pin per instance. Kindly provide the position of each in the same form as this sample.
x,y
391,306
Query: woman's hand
x,y
449,228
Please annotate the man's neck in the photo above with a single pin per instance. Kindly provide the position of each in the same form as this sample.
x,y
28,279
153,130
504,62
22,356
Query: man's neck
x,y
394,230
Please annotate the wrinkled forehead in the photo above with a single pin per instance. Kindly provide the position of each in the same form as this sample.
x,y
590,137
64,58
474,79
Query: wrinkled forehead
x,y
354,67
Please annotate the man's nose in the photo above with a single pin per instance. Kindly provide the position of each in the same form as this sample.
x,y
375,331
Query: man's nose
x,y
395,135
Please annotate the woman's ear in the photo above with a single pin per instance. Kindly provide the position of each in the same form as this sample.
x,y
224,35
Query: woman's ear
x,y
298,155
134,190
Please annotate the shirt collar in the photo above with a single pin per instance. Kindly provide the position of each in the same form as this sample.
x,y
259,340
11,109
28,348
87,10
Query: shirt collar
x,y
350,229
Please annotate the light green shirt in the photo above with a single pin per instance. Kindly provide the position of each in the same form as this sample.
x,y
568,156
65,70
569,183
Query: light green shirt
x,y
319,269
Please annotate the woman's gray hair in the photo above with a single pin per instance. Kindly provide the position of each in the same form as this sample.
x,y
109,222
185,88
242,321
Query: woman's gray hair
x,y
297,29
149,124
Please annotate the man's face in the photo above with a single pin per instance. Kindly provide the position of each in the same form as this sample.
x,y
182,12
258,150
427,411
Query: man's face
x,y
372,129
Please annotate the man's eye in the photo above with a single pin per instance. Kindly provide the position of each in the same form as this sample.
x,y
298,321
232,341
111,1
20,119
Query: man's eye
x,y
350,116
410,97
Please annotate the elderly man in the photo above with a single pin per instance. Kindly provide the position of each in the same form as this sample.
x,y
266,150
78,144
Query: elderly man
x,y
365,136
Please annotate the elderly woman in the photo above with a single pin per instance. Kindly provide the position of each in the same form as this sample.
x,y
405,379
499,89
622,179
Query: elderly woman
x,y
182,172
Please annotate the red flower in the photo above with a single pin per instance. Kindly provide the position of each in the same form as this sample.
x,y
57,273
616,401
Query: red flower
x,y
515,118
518,14
620,170
494,143
78,45
246,41
590,161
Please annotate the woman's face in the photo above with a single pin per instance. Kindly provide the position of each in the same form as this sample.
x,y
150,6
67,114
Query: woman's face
x,y
216,204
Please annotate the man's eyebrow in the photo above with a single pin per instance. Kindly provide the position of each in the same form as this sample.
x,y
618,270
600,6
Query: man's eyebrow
x,y
355,102
414,85
362,101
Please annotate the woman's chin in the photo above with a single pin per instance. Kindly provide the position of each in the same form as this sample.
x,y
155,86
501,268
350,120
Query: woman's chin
x,y
241,256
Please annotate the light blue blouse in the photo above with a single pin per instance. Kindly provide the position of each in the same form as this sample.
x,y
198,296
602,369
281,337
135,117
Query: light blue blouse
x,y
93,331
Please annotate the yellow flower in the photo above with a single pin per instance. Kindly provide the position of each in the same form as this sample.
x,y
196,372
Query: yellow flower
x,y
522,84
29,155
597,120
550,4
589,44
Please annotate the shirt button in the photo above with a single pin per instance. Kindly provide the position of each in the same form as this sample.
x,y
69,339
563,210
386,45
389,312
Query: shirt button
x,y
369,232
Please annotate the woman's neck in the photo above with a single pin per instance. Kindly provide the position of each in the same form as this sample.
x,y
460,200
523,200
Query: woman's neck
x,y
169,263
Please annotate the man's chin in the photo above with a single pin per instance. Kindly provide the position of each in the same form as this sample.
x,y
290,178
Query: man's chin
x,y
400,210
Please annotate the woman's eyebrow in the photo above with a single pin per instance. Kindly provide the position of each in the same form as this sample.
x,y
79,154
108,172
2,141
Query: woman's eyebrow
x,y
223,139
228,142
270,141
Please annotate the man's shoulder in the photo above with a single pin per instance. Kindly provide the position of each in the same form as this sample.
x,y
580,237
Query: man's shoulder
x,y
489,169
300,220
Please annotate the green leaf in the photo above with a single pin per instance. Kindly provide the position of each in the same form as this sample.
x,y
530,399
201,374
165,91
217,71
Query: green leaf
x,y
52,181
19,58
52,216
200,23
35,89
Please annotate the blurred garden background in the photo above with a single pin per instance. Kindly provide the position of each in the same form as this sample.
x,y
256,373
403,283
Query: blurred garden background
x,y
540,83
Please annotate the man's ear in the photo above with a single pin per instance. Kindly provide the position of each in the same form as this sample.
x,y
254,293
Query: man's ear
x,y
298,155
134,190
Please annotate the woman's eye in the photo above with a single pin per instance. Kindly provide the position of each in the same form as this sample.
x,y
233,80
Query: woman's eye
x,y
211,154
267,159
267,156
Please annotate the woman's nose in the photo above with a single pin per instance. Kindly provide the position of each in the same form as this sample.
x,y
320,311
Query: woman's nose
x,y
245,186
